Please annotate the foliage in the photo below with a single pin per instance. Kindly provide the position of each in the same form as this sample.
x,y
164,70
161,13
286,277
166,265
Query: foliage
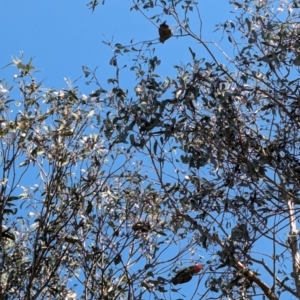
x,y
127,185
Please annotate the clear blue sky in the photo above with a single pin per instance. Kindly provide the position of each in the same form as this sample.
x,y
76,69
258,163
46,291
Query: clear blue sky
x,y
64,35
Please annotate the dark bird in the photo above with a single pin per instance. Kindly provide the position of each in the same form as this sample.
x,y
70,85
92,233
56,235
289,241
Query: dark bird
x,y
186,274
165,32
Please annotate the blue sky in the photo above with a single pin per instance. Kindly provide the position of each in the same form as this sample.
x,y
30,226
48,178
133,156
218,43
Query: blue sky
x,y
64,35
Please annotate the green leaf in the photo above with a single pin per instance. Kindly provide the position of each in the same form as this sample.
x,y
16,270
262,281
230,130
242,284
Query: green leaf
x,y
86,71
13,198
193,53
71,240
148,266
91,112
155,147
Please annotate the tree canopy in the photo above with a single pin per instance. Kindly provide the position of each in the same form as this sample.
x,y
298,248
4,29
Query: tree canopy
x,y
108,195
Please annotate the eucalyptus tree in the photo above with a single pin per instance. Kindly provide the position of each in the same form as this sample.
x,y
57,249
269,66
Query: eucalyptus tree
x,y
77,221
128,185
229,129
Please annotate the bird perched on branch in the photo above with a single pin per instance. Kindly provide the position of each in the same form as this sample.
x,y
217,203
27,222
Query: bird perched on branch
x,y
165,32
186,274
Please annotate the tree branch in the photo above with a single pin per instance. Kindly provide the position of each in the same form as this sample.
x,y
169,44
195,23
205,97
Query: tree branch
x,y
238,265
